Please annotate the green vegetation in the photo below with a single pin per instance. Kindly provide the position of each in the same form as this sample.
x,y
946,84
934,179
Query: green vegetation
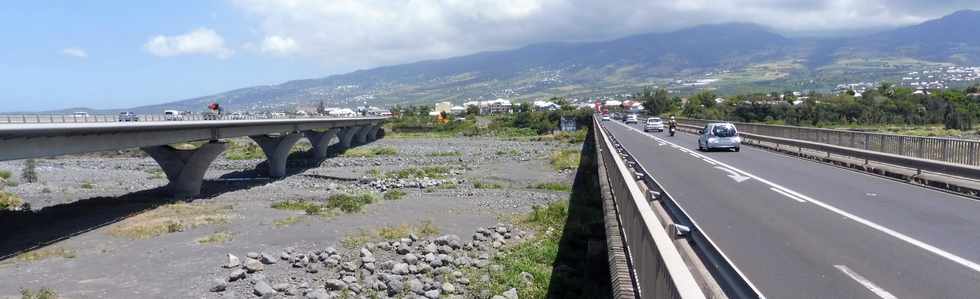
x,y
47,252
170,219
350,203
43,293
394,194
552,186
884,105
309,207
29,173
486,185
565,159
5,174
390,232
244,151
435,172
215,238
414,121
445,154
10,201
509,152
87,185
286,221
373,151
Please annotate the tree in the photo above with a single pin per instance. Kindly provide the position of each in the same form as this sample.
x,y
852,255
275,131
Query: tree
x,y
472,110
655,102
29,173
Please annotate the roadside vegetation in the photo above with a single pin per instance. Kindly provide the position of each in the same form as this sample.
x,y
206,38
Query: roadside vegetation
x,y
215,238
243,151
347,203
486,185
445,154
434,172
390,232
371,151
43,293
46,253
394,194
9,201
552,186
565,159
885,105
524,123
284,222
171,218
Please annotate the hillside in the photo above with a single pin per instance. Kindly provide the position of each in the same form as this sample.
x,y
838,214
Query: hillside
x,y
741,55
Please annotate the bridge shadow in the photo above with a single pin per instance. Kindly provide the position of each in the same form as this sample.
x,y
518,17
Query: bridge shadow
x,y
22,231
581,269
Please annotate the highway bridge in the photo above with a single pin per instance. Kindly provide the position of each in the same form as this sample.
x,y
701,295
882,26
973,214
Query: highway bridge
x,y
778,226
185,167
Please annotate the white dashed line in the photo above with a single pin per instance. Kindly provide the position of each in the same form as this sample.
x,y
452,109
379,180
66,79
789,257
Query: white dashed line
x,y
865,282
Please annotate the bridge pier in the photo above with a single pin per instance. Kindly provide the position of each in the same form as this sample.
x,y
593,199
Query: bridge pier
x,y
185,168
373,135
362,135
320,142
276,149
346,135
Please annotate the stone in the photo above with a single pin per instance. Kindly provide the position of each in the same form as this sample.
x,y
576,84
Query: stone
x,y
252,265
348,266
496,268
415,286
527,277
510,294
335,284
233,261
236,275
395,287
281,287
413,237
463,281
312,268
330,250
252,255
410,259
430,248
285,256
263,289
218,285
444,249
255,278
400,268
433,294
369,266
501,229
365,252
448,288
402,249
267,259
349,279
355,287
367,259
318,294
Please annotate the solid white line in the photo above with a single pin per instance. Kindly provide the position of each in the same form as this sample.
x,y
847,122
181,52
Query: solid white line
x,y
923,245
709,162
865,282
787,194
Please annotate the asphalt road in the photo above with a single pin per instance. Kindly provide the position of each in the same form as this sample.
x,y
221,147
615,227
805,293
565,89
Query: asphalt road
x,y
801,229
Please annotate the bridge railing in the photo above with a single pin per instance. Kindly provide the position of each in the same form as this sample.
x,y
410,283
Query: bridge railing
x,y
951,150
656,262
102,118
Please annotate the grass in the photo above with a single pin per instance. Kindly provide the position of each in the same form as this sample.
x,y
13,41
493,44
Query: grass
x,y
286,221
565,159
552,186
170,219
445,154
486,185
391,232
5,174
244,151
373,151
43,293
45,253
155,173
573,137
87,185
509,152
536,255
346,203
434,172
394,194
9,201
215,238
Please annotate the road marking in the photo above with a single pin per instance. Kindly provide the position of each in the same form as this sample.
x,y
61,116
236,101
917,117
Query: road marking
x,y
865,282
787,195
733,175
907,239
709,162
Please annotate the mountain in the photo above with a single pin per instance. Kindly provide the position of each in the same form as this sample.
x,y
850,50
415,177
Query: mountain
x,y
736,54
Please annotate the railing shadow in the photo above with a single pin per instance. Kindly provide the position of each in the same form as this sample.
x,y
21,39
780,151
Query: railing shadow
x,y
581,269
22,231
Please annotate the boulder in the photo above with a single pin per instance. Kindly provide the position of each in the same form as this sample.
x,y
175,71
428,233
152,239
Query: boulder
x,y
263,289
233,261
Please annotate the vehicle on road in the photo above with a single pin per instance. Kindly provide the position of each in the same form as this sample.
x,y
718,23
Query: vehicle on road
x,y
80,114
237,115
654,124
719,136
605,117
128,116
631,119
172,115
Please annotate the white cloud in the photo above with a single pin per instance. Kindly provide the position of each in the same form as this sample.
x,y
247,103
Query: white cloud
x,y
279,45
201,41
75,52
376,32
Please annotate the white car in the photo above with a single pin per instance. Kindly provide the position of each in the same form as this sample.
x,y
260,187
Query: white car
x,y
719,136
654,124
172,115
631,119
605,117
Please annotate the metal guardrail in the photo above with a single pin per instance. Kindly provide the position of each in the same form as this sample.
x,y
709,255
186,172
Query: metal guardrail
x,y
104,118
950,150
725,273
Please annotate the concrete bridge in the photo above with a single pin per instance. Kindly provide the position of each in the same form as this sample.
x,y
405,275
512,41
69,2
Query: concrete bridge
x,y
184,167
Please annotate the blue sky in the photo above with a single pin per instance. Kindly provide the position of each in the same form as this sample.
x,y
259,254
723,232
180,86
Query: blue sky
x,y
119,54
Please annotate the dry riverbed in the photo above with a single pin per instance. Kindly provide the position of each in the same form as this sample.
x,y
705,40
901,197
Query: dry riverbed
x,y
398,217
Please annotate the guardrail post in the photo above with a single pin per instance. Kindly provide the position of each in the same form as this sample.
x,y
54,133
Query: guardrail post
x,y
972,156
945,150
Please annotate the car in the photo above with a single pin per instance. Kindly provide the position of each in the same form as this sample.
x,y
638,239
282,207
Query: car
x,y
172,115
605,117
128,116
631,119
719,136
654,124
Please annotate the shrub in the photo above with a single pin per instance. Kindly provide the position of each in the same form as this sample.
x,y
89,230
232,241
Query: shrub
x,y
43,293
9,201
552,187
364,152
565,159
29,173
394,194
244,151
5,174
350,203
485,185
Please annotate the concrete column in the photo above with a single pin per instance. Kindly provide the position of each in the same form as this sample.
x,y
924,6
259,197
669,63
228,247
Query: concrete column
x,y
276,150
320,142
346,135
373,135
362,134
185,168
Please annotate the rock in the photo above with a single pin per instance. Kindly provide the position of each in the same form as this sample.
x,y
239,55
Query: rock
x,y
330,250
527,277
510,294
218,285
413,237
354,287
348,266
285,256
335,284
255,278
233,261
395,287
448,288
457,274
312,268
236,275
463,281
267,259
497,244
349,279
252,265
400,269
252,255
281,287
496,268
402,249
367,259
498,297
415,286
263,289
318,294
365,253
430,248
444,249
433,294
501,230
410,259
